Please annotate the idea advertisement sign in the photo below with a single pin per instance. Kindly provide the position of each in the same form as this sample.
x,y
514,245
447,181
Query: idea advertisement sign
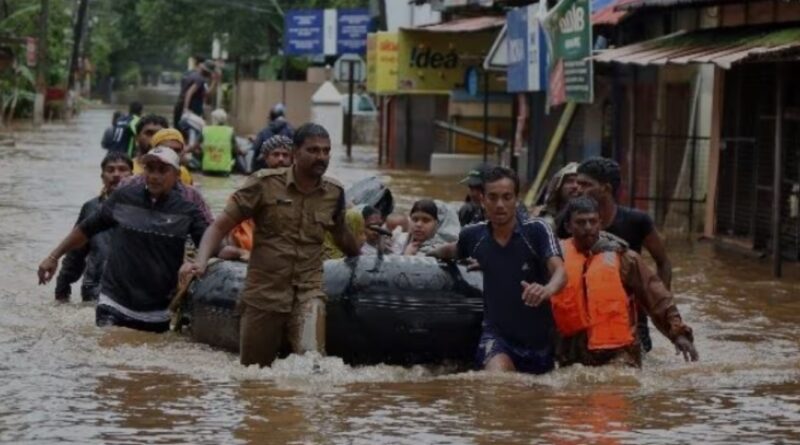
x,y
382,57
436,62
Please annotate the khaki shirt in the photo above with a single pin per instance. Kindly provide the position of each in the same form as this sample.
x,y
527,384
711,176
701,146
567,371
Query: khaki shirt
x,y
289,230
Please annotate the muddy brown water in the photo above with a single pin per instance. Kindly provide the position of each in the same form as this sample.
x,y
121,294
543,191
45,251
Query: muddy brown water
x,y
62,380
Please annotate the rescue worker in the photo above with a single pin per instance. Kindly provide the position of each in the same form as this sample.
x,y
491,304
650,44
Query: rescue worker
x,y
292,209
522,269
218,145
596,312
89,260
239,242
125,129
562,187
600,178
278,126
150,223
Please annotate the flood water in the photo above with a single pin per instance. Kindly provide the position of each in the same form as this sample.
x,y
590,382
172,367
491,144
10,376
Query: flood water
x,y
62,380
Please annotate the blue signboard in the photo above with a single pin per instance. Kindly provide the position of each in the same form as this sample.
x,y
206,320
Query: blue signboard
x,y
303,32
527,53
352,26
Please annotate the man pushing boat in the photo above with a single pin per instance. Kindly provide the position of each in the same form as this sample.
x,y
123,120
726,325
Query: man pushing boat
x,y
292,209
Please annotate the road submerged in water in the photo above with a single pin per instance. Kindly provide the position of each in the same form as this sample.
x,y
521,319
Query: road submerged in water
x,y
62,380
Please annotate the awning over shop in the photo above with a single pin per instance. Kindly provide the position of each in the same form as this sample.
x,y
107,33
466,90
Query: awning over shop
x,y
723,47
608,12
645,4
472,24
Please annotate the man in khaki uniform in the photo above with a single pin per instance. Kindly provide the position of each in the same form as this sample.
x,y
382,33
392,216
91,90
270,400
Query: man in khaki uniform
x,y
292,208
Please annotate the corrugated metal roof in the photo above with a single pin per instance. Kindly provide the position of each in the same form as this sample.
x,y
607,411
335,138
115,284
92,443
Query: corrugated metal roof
x,y
472,24
641,4
721,47
609,14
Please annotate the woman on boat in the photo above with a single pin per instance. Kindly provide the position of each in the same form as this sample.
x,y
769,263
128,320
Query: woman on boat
x,y
432,224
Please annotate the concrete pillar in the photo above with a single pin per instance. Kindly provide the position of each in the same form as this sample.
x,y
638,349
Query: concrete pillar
x,y
326,110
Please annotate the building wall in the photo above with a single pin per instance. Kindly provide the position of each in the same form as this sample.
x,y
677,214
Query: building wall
x,y
254,98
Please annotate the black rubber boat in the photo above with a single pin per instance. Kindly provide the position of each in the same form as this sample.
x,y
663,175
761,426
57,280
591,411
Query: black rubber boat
x,y
393,309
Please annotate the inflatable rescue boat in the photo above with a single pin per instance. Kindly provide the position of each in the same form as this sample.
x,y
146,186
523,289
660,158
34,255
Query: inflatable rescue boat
x,y
391,309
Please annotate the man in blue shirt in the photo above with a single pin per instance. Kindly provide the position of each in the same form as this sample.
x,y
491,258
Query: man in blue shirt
x,y
522,268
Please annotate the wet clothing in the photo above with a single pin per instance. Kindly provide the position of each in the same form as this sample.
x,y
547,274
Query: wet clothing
x,y
532,361
286,261
106,315
263,334
593,299
633,226
196,101
188,192
279,126
87,261
147,244
524,258
283,289
643,287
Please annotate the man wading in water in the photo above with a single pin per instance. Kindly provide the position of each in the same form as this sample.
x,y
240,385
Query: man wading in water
x,y
292,208
90,259
151,221
600,178
522,269
595,312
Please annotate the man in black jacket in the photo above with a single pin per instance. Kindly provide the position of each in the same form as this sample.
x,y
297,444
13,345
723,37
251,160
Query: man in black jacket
x,y
151,221
90,259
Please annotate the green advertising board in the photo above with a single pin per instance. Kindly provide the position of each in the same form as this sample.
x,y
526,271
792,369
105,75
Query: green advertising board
x,y
568,26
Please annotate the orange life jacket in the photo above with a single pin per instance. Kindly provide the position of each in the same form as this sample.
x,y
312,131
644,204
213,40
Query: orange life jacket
x,y
242,235
593,299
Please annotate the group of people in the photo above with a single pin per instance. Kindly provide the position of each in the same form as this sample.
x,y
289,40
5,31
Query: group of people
x,y
563,283
567,285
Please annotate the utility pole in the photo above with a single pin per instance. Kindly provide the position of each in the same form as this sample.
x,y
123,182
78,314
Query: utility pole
x,y
41,65
76,43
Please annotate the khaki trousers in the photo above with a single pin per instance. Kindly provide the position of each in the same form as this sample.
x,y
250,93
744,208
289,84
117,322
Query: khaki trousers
x,y
262,333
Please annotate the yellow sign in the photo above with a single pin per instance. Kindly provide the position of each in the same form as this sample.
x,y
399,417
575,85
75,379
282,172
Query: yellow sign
x,y
436,62
382,55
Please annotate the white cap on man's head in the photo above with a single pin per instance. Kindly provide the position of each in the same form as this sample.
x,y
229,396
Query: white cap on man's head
x,y
163,154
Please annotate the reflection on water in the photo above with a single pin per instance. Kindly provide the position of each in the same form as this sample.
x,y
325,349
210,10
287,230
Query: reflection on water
x,y
64,381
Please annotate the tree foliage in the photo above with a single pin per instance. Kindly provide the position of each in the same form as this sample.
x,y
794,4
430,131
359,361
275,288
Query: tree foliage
x,y
136,39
